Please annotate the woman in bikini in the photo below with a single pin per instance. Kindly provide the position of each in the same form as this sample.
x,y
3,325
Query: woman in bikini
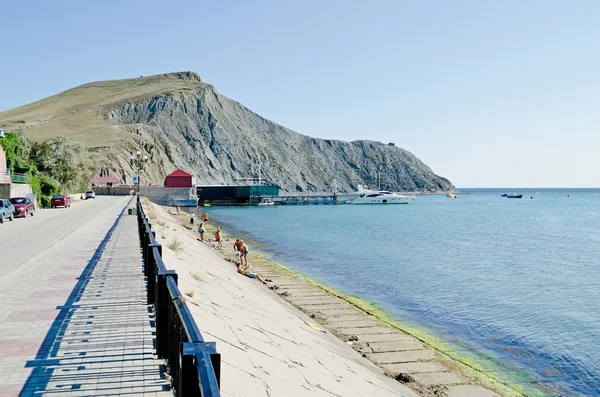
x,y
201,231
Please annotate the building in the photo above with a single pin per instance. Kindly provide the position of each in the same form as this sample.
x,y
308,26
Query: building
x,y
104,181
180,179
235,194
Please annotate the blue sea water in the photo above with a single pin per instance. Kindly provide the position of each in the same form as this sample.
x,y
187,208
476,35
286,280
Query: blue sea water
x,y
514,282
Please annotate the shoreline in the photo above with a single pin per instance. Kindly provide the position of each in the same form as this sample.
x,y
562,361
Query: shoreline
x,y
293,287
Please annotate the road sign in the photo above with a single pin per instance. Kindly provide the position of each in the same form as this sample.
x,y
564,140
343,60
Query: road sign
x,y
135,181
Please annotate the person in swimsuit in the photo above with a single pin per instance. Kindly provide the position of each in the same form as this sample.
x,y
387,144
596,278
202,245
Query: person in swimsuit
x,y
248,272
201,231
218,237
244,253
237,248
205,217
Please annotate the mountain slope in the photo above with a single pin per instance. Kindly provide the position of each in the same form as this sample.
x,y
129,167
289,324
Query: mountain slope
x,y
181,122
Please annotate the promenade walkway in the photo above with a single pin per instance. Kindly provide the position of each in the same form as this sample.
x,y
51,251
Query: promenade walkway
x,y
73,319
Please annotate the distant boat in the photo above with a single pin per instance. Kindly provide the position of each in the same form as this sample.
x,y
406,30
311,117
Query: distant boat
x,y
266,202
368,196
504,195
514,195
451,195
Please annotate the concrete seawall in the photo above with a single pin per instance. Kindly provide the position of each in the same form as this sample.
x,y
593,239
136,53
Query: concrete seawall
x,y
379,347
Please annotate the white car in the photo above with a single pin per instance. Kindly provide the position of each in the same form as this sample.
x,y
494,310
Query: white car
x,y
90,194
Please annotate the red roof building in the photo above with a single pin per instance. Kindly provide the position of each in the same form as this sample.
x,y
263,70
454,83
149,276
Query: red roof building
x,y
104,181
180,179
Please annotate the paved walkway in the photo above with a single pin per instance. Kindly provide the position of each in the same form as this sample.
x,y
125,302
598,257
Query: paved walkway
x,y
73,320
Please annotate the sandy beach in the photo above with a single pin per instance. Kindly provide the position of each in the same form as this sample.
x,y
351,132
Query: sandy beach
x,y
294,337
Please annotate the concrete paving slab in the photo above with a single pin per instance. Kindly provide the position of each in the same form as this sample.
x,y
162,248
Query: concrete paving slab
x,y
470,391
439,378
402,357
337,312
344,318
301,301
79,285
379,347
343,325
367,331
414,368
390,337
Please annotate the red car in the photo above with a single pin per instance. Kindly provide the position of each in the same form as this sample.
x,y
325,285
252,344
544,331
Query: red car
x,y
59,200
23,206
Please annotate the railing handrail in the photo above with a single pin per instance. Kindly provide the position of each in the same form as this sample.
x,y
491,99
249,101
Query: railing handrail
x,y
189,325
194,365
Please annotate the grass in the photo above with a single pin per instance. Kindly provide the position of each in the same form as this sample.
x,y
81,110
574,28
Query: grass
x,y
175,245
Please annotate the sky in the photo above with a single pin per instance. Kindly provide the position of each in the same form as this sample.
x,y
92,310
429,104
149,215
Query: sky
x,y
487,93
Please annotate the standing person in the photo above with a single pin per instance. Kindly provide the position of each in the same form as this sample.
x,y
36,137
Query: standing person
x,y
201,231
244,253
206,217
177,208
192,215
237,248
218,238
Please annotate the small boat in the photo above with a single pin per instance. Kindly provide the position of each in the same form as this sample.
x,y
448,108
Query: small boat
x,y
504,195
451,195
514,195
266,202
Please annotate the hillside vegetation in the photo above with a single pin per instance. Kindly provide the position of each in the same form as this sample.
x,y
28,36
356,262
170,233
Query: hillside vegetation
x,y
181,122
50,166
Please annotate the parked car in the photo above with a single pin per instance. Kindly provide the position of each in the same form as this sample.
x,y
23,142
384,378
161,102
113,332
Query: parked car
x,y
23,206
90,194
7,211
60,200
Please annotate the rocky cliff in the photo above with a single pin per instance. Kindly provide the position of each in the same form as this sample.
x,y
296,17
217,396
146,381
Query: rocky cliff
x,y
181,122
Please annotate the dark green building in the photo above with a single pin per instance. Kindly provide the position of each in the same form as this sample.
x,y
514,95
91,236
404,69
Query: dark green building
x,y
235,194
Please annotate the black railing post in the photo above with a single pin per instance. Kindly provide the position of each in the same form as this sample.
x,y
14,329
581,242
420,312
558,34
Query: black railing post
x,y
163,308
188,382
151,272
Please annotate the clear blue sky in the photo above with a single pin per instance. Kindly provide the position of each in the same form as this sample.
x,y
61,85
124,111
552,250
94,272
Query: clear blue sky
x,y
487,93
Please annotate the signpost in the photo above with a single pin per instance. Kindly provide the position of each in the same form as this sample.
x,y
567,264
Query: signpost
x,y
135,181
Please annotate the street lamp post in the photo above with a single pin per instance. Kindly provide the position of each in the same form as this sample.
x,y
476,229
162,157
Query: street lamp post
x,y
137,161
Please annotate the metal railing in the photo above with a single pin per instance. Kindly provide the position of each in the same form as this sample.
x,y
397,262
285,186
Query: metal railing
x,y
193,364
13,177
19,178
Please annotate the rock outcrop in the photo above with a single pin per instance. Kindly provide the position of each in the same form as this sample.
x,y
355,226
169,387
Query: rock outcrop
x,y
181,122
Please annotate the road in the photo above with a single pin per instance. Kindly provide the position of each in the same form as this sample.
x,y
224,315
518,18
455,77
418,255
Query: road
x,y
27,238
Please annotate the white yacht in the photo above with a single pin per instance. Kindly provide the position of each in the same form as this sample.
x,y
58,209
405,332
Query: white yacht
x,y
367,196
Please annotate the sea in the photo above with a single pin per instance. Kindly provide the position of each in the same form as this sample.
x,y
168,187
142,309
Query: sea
x,y
513,283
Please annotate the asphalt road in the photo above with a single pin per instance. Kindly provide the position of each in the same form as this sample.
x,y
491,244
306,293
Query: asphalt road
x,y
26,238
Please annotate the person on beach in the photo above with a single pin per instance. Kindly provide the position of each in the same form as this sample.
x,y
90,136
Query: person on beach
x,y
205,217
192,215
243,253
218,238
237,248
201,231
177,208
249,272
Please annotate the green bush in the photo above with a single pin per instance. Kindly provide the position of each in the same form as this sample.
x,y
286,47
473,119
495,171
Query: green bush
x,y
51,167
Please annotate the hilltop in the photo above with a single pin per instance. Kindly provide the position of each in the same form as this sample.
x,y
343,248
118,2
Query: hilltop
x,y
179,121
